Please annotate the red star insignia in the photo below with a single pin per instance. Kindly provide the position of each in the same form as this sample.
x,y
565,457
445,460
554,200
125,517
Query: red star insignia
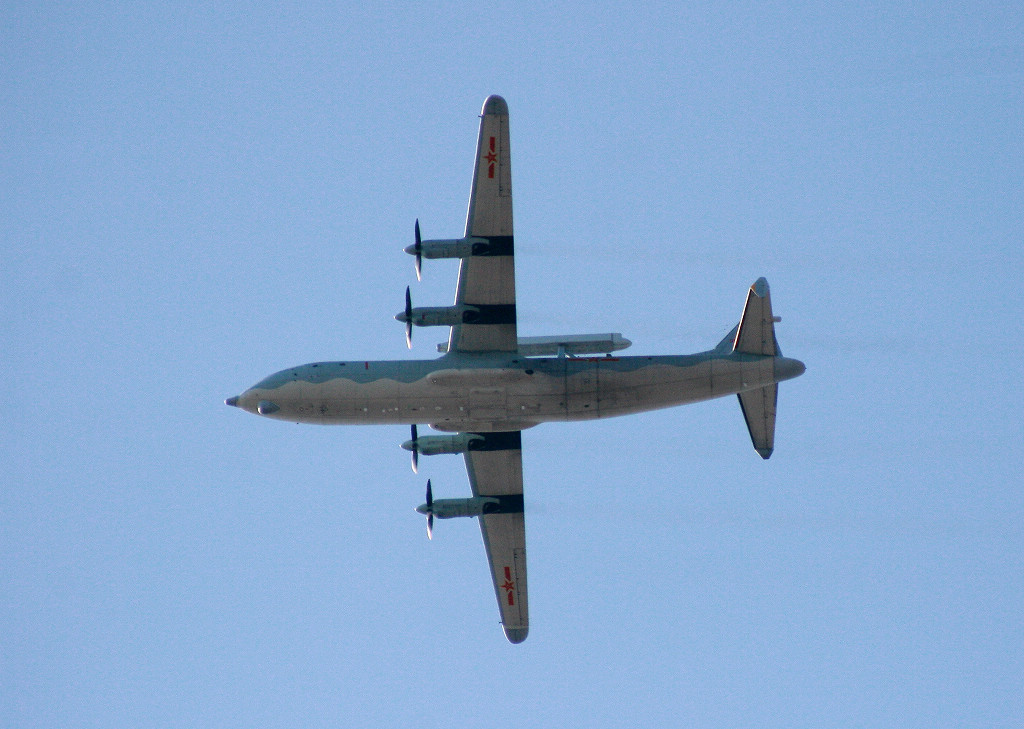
x,y
509,585
491,157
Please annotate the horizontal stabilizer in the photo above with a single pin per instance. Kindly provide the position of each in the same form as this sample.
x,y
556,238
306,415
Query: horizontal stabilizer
x,y
759,411
756,332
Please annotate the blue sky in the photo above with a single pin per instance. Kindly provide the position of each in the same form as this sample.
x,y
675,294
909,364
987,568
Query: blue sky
x,y
196,197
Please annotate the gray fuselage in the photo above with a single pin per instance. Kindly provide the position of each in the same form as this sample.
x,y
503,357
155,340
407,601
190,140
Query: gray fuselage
x,y
485,393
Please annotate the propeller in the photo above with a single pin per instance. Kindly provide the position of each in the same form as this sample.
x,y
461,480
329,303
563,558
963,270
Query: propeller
x,y
430,510
408,318
418,252
415,450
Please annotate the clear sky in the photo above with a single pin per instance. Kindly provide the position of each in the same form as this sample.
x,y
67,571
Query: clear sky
x,y
193,197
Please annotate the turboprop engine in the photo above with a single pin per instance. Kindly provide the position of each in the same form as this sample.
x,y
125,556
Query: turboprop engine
x,y
427,316
474,506
449,316
432,445
457,248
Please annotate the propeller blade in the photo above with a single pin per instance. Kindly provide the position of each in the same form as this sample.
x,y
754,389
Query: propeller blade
x,y
408,318
418,248
430,511
415,450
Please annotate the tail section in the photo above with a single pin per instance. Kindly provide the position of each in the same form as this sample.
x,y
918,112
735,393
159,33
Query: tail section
x,y
758,408
755,334
756,331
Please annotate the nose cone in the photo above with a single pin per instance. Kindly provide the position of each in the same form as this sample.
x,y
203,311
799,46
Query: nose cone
x,y
232,401
787,369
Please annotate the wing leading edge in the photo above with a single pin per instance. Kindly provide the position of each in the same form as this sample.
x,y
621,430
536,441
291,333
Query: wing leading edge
x,y
487,286
495,468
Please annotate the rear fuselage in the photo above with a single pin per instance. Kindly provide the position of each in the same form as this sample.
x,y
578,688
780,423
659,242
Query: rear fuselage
x,y
485,393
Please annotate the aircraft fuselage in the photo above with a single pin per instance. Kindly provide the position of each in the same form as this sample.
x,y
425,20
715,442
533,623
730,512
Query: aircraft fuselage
x,y
487,393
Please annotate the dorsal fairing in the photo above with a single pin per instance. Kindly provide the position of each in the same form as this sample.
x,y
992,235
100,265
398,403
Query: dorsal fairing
x,y
569,344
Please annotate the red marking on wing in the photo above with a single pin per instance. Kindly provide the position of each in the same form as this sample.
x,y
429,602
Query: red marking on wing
x,y
509,586
491,158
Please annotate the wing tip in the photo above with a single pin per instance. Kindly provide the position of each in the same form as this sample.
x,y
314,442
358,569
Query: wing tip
x,y
495,105
515,635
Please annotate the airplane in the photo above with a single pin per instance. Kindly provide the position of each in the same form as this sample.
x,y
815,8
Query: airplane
x,y
490,384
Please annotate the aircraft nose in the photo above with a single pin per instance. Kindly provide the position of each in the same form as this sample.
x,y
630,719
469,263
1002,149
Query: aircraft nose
x,y
232,401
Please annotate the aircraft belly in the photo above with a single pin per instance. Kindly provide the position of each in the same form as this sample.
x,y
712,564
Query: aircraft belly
x,y
557,389
450,406
663,385
343,401
581,389
730,377
487,403
639,389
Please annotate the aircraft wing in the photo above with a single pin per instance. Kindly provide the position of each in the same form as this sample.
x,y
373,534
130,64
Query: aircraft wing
x,y
487,281
495,467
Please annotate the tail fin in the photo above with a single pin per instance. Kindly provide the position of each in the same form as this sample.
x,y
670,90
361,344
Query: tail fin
x,y
755,334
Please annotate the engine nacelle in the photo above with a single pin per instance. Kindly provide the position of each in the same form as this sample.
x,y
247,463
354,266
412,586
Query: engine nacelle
x,y
498,245
475,506
433,316
452,508
449,316
432,445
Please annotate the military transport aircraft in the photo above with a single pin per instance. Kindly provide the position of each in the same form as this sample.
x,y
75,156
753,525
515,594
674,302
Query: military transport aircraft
x,y
490,384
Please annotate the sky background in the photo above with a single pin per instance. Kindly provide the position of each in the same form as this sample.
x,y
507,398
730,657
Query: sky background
x,y
194,197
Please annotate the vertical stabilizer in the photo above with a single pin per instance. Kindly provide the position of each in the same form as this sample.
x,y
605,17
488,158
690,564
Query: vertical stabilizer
x,y
756,333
